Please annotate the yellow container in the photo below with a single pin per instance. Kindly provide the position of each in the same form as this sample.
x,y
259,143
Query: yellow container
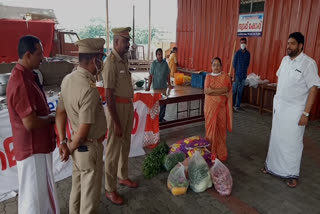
x,y
178,78
186,79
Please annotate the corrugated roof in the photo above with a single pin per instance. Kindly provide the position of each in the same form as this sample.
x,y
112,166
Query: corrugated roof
x,y
8,12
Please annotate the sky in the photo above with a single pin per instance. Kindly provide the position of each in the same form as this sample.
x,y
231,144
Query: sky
x,y
74,14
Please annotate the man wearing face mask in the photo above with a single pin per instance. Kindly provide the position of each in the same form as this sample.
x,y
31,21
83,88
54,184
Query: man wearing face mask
x,y
80,102
119,94
297,88
240,63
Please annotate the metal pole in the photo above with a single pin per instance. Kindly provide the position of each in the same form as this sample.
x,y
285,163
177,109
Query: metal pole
x,y
133,24
107,25
149,42
251,6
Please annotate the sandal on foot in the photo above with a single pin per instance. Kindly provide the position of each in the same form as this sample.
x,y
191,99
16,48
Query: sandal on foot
x,y
263,170
292,183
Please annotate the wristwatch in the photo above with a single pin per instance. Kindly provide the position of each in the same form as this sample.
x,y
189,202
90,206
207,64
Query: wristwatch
x,y
306,114
64,141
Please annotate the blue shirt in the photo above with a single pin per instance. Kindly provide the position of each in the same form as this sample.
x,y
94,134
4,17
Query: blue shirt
x,y
160,72
241,63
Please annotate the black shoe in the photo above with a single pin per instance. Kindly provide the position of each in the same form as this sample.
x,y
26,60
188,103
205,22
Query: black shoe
x,y
162,121
241,109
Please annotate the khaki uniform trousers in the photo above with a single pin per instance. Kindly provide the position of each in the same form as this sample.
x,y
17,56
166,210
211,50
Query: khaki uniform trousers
x,y
118,148
86,179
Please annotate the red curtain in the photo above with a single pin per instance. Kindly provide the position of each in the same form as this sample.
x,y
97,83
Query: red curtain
x,y
11,30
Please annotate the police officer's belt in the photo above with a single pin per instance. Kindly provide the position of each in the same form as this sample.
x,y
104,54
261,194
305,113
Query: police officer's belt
x,y
123,100
93,140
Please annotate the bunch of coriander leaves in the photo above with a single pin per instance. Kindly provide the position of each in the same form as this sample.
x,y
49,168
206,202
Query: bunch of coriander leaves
x,y
153,164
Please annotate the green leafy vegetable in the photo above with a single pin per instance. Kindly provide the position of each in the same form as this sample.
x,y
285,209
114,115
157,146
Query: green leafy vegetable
x,y
197,173
172,159
153,164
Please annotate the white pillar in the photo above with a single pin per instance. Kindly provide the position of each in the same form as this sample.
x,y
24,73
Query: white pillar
x,y
133,23
107,26
149,42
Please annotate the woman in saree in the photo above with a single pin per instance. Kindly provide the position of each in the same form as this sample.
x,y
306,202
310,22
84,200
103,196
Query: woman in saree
x,y
173,62
218,109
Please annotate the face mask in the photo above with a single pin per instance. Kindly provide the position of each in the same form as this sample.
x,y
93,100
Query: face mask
x,y
215,74
243,46
101,67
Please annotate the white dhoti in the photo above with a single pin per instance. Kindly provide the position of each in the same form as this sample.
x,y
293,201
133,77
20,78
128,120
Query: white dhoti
x,y
295,79
37,193
286,141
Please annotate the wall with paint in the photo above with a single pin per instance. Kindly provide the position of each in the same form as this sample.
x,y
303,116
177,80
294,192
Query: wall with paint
x,y
206,29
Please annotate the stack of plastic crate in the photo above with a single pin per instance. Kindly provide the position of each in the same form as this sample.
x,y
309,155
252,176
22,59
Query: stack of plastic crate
x,y
197,80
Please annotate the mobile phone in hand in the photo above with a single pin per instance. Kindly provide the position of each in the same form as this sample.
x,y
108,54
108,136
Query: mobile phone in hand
x,y
83,148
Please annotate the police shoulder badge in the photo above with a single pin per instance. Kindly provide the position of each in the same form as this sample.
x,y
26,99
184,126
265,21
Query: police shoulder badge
x,y
112,56
92,84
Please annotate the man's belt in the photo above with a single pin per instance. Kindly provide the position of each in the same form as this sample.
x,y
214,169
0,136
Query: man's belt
x,y
123,100
90,140
99,140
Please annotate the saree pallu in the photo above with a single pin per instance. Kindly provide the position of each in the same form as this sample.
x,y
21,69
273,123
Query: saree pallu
x,y
218,115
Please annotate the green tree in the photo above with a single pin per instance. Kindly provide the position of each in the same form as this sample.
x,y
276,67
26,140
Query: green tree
x,y
97,29
142,35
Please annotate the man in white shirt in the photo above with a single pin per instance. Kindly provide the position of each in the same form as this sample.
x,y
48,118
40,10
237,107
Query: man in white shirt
x,y
298,83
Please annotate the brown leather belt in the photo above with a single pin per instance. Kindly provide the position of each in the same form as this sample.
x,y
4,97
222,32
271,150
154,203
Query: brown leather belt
x,y
99,140
123,100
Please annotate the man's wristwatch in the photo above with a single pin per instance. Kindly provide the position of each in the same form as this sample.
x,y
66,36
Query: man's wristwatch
x,y
306,114
64,141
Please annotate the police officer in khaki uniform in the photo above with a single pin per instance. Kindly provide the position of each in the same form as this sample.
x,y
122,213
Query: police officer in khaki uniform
x,y
119,94
81,103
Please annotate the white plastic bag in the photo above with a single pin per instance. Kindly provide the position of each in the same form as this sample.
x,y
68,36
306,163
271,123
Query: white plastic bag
x,y
177,181
221,178
253,80
198,172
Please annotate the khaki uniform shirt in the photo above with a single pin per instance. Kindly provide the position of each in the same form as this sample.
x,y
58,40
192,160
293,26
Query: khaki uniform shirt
x,y
80,98
116,75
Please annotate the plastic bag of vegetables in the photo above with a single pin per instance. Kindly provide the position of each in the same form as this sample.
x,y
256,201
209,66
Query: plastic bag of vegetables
x,y
199,174
221,178
172,159
204,152
177,181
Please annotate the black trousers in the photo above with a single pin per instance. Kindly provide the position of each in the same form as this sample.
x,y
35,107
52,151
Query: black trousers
x,y
162,112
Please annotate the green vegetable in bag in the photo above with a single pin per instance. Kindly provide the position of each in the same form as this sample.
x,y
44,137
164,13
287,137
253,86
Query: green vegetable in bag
x,y
172,159
199,175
